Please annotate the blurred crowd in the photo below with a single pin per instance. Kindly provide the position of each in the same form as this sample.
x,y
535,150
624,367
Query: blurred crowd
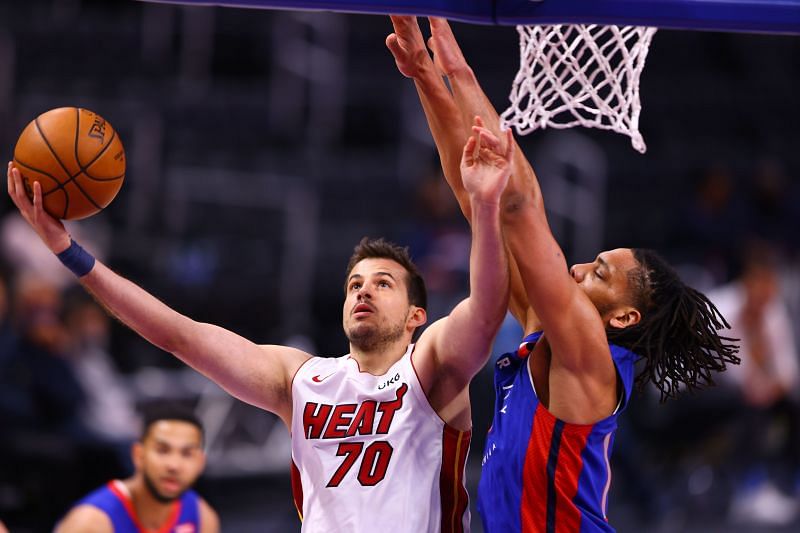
x,y
68,415
731,451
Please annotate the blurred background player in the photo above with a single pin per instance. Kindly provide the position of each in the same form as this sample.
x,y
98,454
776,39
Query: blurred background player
x,y
168,459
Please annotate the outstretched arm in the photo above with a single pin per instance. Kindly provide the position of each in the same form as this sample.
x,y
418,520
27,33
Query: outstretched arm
x,y
450,125
462,342
573,327
444,118
260,375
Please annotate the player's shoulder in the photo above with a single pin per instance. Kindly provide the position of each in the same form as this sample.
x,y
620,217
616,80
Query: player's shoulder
x,y
290,359
297,355
432,332
317,369
209,519
85,518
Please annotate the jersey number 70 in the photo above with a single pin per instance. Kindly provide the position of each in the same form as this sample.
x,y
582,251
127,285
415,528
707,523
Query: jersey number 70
x,y
374,462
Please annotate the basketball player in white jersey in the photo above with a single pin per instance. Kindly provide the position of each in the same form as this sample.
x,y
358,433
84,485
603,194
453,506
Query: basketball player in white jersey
x,y
379,436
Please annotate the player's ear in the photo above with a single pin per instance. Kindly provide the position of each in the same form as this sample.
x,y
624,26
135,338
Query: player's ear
x,y
137,454
202,460
417,317
624,317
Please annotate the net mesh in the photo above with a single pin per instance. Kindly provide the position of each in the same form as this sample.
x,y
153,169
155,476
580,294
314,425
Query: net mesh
x,y
579,75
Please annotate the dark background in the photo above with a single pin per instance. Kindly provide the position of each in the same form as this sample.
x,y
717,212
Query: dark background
x,y
263,145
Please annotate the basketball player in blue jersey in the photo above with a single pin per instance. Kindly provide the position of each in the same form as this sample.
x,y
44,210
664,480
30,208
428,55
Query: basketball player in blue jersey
x,y
546,463
168,459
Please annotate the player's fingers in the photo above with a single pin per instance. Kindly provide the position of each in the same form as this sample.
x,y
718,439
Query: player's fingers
x,y
469,151
511,146
488,138
15,182
10,183
39,214
492,157
431,44
393,44
487,135
478,150
483,129
406,23
16,189
37,201
441,26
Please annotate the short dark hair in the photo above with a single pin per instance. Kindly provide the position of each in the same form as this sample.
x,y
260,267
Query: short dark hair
x,y
678,335
157,412
382,249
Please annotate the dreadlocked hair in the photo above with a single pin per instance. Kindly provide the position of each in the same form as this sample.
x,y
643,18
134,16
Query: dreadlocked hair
x,y
677,336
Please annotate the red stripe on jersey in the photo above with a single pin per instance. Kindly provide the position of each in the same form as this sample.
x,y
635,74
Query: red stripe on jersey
x,y
570,464
172,519
453,494
297,490
533,503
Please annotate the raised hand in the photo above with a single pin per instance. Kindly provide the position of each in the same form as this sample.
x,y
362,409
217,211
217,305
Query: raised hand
x,y
446,53
50,230
486,164
408,46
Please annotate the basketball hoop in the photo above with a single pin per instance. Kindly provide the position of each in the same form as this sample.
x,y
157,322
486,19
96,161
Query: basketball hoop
x,y
579,75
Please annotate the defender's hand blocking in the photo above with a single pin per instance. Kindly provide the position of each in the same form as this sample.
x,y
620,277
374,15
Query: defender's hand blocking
x,y
408,46
50,230
485,164
446,53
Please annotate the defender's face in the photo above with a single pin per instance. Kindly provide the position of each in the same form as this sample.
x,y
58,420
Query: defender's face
x,y
376,304
605,280
170,458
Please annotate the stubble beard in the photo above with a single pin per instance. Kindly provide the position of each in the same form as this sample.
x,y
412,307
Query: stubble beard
x,y
153,490
371,339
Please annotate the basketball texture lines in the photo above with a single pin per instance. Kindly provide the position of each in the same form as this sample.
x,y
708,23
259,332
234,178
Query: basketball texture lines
x,y
77,157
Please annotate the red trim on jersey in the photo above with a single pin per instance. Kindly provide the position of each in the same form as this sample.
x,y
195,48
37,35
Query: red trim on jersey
x,y
570,463
297,490
453,494
568,470
291,395
291,381
533,503
425,392
126,502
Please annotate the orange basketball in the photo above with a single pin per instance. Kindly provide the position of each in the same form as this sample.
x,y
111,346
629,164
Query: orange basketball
x,y
77,157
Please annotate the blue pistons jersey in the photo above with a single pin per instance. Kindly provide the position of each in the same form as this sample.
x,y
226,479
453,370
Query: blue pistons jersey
x,y
541,474
114,501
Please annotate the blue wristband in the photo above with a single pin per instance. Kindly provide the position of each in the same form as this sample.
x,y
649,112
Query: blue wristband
x,y
78,260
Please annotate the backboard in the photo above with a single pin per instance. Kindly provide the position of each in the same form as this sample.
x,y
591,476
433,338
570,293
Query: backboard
x,y
768,16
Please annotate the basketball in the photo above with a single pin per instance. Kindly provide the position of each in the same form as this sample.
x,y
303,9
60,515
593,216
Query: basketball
x,y
76,156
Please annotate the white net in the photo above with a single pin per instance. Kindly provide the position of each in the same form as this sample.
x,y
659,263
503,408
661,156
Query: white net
x,y
579,75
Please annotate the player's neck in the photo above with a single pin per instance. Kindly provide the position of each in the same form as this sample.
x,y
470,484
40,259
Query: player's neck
x,y
151,513
379,360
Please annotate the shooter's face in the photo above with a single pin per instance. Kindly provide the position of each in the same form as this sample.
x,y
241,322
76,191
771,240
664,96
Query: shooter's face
x,y
170,458
605,281
376,306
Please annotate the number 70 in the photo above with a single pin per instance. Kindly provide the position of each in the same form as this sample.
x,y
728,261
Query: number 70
x,y
373,464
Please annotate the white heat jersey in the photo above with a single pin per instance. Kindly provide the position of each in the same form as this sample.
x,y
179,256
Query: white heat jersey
x,y
369,453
